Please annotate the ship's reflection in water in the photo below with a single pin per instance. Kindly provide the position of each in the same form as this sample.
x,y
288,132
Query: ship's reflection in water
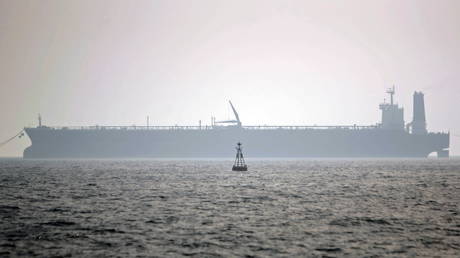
x,y
280,208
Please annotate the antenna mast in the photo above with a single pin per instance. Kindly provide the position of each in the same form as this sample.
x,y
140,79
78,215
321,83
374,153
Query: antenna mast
x,y
391,91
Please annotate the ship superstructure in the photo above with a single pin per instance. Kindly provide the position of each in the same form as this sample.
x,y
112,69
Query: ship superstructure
x,y
389,138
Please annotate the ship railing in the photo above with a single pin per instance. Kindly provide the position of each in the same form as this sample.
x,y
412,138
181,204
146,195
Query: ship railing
x,y
309,127
133,127
208,127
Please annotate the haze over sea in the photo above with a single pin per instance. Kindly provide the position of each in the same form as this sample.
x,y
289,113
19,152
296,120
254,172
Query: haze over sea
x,y
319,208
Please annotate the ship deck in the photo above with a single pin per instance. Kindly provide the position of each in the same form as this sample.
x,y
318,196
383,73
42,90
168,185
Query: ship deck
x,y
208,127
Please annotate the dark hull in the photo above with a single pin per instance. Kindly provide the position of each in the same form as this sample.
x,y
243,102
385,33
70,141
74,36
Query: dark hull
x,y
241,168
143,143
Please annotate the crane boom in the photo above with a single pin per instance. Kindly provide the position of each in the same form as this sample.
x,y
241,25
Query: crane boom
x,y
237,117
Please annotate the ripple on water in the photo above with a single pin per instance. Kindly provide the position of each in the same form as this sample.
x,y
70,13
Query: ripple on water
x,y
324,208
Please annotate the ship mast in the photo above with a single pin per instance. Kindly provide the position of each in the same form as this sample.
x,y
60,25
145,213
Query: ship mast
x,y
391,91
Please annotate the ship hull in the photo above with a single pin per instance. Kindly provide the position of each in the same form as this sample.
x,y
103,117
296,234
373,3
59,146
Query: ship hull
x,y
216,143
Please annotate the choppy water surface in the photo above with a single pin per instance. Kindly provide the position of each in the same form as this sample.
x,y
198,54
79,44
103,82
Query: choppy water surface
x,y
201,208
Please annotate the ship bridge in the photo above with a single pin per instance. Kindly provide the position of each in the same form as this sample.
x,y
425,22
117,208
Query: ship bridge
x,y
392,114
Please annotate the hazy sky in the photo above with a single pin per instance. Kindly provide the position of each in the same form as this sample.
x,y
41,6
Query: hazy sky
x,y
280,62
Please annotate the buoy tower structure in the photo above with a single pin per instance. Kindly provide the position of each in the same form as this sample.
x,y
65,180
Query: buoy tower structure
x,y
239,164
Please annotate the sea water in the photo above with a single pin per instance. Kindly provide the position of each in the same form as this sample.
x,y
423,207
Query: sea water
x,y
283,208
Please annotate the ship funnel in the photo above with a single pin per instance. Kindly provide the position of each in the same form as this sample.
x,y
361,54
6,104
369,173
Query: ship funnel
x,y
418,120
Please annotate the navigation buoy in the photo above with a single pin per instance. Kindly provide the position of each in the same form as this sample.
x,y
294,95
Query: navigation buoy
x,y
239,164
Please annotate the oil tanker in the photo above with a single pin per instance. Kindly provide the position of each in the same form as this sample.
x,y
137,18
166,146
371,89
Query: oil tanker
x,y
389,138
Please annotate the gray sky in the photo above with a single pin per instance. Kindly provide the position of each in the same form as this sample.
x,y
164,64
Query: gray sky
x,y
280,62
